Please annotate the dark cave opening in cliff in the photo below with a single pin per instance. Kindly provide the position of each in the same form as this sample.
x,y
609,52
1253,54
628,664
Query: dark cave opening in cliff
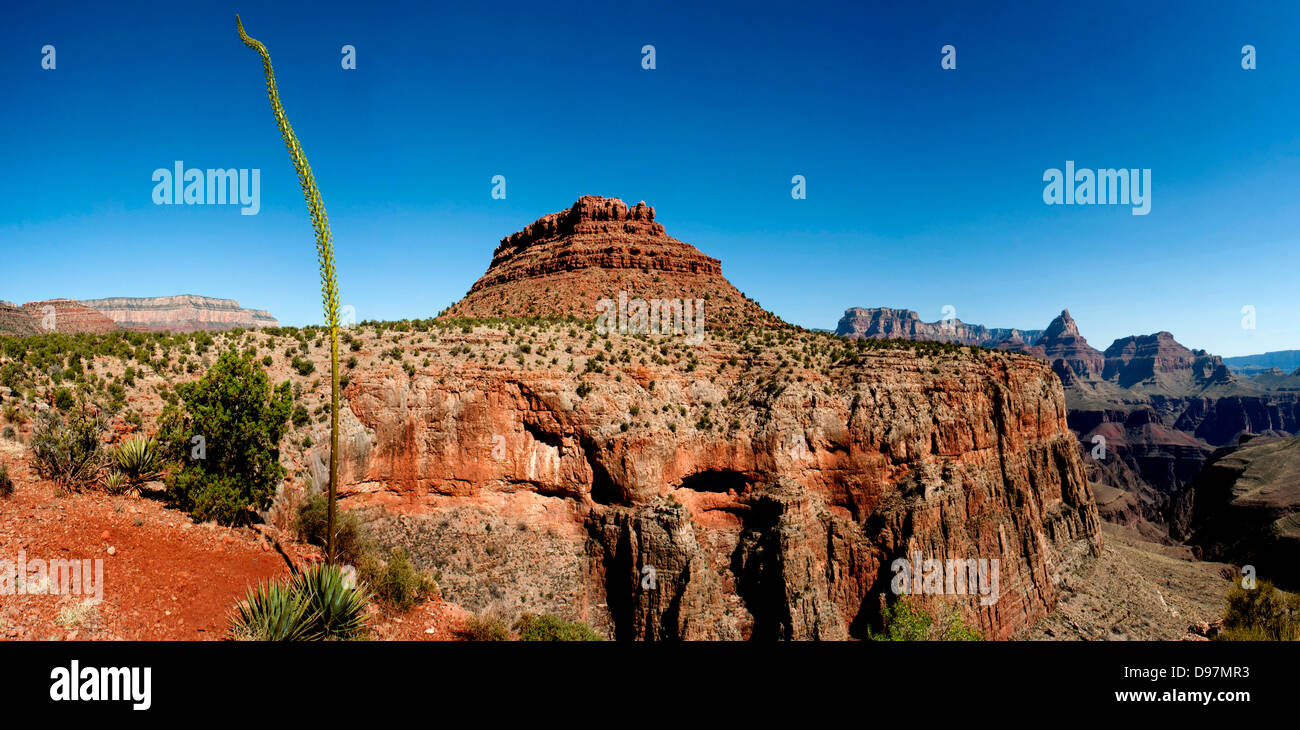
x,y
717,480
603,488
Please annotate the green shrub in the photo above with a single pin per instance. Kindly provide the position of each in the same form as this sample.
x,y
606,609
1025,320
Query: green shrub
x,y
483,628
63,399
395,581
6,484
532,627
906,622
68,449
350,539
241,420
1262,613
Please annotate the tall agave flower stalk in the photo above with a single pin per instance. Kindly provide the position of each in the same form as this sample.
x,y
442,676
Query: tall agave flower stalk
x,y
325,254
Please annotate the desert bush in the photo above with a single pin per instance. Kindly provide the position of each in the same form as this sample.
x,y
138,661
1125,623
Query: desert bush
x,y
241,420
1262,613
68,449
395,581
318,604
63,399
138,461
115,483
484,628
533,627
351,540
6,484
905,622
272,611
9,434
336,606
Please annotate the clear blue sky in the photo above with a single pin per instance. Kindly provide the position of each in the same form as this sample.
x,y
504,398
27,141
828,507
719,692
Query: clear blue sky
x,y
924,185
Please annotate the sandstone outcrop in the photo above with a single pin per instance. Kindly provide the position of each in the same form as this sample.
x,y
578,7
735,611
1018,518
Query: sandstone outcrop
x,y
15,321
565,263
781,524
184,313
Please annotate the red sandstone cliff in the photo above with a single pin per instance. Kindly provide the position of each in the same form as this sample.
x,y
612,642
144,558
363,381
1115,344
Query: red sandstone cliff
x,y
766,478
816,491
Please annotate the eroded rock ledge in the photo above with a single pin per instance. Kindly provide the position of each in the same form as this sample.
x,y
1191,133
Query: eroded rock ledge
x,y
766,509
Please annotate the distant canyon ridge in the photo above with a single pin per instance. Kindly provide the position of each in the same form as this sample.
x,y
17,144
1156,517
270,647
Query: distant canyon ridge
x,y
1173,438
183,313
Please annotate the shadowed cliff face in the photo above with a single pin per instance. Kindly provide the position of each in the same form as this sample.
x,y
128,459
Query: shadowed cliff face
x,y
766,496
1245,508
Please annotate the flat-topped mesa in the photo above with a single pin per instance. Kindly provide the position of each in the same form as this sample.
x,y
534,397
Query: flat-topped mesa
x,y
182,313
66,316
905,324
564,263
1141,356
590,214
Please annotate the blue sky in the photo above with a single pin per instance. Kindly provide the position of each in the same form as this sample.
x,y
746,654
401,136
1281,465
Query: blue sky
x,y
924,185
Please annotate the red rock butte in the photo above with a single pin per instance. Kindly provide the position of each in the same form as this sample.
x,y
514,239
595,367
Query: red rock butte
x,y
564,263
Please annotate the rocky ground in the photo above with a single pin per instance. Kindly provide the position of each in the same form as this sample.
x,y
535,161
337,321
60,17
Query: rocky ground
x,y
1135,590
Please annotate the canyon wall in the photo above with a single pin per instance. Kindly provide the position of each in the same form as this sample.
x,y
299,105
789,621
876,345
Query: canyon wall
x,y
523,493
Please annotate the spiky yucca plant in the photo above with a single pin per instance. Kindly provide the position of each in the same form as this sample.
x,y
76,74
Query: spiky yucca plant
x,y
138,461
272,611
325,255
336,608
115,483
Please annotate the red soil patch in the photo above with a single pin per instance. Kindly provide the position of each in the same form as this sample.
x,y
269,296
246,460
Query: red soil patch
x,y
166,577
